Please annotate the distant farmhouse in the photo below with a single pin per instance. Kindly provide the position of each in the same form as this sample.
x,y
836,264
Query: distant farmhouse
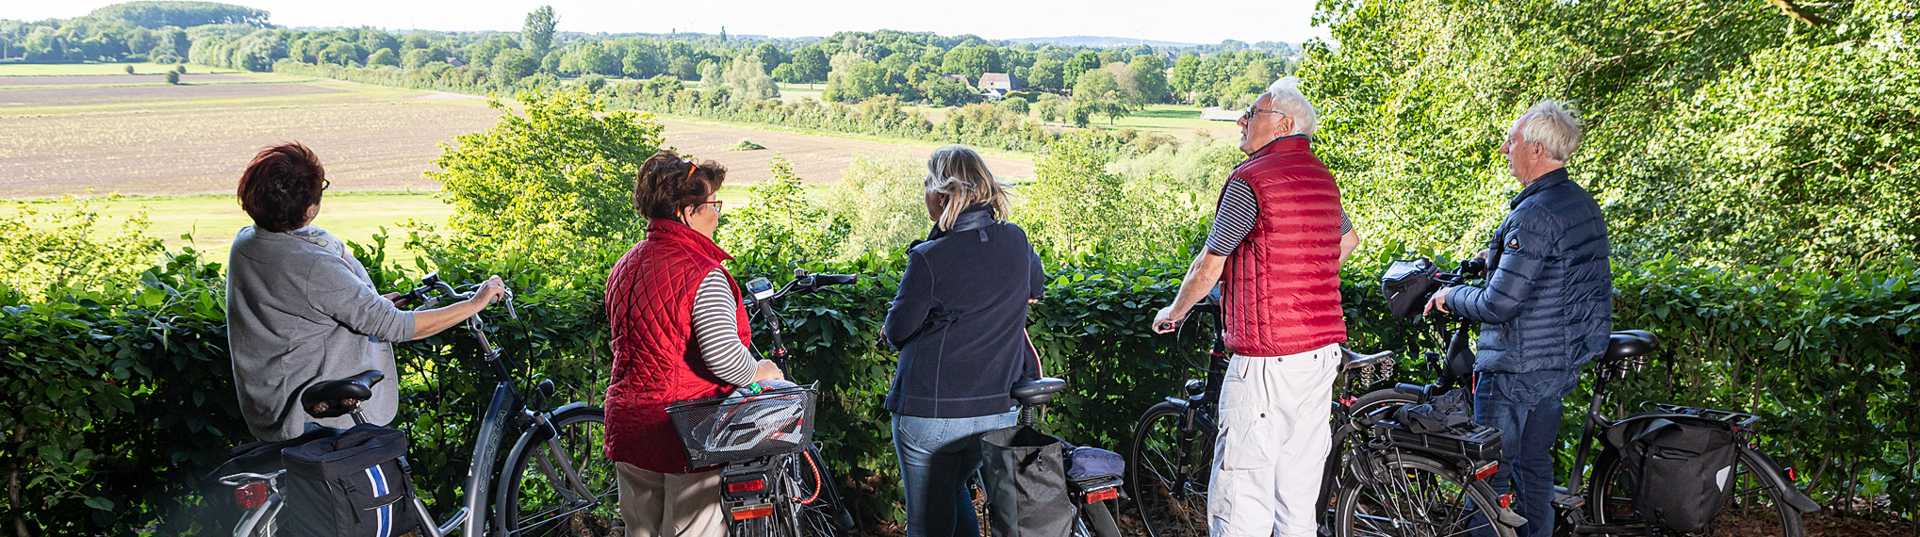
x,y
997,85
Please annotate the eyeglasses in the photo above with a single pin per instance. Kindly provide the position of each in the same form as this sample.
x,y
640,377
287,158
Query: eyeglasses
x,y
1255,110
325,184
717,204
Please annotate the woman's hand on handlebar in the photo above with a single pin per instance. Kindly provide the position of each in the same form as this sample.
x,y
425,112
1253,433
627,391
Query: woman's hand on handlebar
x,y
767,370
490,291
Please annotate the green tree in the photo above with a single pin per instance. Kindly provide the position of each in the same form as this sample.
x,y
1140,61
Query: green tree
x,y
747,79
536,34
811,65
1080,63
512,65
1044,75
944,91
415,58
971,61
383,56
1097,92
551,184
1184,79
592,57
1149,74
642,61
173,77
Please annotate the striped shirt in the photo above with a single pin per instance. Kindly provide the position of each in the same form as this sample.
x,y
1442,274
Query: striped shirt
x,y
716,318
1235,218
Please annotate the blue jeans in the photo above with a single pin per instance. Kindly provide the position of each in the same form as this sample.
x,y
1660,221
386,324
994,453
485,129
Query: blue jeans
x,y
938,457
1529,432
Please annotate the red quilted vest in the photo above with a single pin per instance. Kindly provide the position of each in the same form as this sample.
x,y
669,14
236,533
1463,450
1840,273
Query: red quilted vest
x,y
656,361
1282,286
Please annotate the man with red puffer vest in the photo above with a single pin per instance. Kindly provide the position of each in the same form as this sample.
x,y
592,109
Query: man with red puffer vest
x,y
1278,239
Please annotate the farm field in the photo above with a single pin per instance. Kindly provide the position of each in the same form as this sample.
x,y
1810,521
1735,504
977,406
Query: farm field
x,y
82,69
130,134
1182,121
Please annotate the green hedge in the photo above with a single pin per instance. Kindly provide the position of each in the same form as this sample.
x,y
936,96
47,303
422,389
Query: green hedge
x,y
120,398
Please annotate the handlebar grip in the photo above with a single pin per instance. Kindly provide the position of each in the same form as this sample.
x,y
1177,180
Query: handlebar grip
x,y
835,279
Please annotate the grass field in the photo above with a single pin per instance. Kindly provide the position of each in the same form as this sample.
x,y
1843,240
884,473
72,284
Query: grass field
x,y
59,69
1178,120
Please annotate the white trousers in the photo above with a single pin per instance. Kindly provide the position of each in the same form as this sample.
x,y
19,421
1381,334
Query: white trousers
x,y
1272,445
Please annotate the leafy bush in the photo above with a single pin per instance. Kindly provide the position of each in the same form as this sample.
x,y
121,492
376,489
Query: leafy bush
x,y
882,206
173,77
748,145
51,251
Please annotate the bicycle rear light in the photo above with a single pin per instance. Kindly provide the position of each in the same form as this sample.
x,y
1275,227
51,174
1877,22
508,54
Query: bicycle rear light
x,y
251,495
751,512
1791,475
1506,501
1102,495
1486,471
750,485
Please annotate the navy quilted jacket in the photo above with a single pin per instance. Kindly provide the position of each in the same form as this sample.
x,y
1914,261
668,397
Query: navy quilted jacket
x,y
1548,301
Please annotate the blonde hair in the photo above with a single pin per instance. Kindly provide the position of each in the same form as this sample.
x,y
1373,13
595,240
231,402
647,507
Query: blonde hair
x,y
957,172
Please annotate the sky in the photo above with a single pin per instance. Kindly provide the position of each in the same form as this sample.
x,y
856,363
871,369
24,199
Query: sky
x,y
1199,21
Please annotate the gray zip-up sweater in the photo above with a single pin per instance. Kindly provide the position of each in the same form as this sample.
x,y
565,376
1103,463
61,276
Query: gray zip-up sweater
x,y
300,310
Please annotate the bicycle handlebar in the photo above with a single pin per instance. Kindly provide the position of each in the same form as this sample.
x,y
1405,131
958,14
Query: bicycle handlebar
x,y
432,290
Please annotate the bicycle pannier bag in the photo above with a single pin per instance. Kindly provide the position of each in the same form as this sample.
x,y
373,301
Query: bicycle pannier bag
x,y
1406,286
350,484
1026,484
219,509
1682,468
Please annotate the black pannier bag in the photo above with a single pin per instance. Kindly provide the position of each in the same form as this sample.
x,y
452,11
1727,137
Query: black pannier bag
x,y
350,484
260,457
1682,468
1026,480
1406,285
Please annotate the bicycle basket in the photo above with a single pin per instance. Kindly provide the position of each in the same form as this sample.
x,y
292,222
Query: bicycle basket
x,y
742,427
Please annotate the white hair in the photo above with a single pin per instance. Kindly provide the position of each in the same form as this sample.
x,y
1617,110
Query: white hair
x,y
1550,124
1284,96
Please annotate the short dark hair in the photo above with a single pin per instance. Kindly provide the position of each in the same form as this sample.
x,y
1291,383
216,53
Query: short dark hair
x,y
280,184
668,183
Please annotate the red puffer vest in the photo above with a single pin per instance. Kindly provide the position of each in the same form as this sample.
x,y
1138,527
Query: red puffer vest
x,y
1282,286
655,360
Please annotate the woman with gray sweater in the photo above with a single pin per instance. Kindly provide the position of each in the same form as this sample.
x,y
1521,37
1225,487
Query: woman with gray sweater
x,y
301,309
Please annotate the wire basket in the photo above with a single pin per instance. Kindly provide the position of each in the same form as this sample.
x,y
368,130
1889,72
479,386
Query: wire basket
x,y
743,427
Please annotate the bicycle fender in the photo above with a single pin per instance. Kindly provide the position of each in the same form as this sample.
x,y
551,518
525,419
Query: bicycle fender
x,y
1771,473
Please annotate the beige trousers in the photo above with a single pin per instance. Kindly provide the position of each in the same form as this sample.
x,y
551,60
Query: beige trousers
x,y
1273,444
654,504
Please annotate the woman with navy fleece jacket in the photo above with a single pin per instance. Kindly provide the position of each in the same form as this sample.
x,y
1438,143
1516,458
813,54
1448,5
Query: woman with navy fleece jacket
x,y
959,322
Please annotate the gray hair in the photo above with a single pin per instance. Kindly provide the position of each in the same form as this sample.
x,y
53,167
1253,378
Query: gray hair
x,y
1552,125
959,173
1284,96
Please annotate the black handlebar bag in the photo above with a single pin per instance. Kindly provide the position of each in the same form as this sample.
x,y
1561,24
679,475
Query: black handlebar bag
x,y
1407,284
350,484
1682,468
1026,480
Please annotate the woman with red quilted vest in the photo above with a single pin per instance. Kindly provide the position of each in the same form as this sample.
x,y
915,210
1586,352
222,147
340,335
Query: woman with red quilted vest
x,y
679,333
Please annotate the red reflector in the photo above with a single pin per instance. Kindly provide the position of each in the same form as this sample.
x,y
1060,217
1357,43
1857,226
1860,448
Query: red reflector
x,y
1486,471
752,512
1506,500
251,495
1791,476
1102,495
756,485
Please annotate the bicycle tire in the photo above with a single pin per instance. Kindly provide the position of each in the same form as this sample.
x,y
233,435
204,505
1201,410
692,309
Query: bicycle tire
x,y
1096,520
1169,505
825,516
1396,467
1332,478
1608,506
587,425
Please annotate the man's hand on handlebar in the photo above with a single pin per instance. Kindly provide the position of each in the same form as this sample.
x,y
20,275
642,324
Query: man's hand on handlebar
x,y
1439,302
1164,321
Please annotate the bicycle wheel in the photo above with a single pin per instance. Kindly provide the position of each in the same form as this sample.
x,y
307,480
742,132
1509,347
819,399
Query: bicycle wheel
x,y
540,499
1753,507
1348,439
1167,472
1398,494
817,502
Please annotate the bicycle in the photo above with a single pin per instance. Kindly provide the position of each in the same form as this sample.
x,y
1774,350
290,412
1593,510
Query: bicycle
x,y
771,488
1170,458
1598,501
554,479
1094,499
